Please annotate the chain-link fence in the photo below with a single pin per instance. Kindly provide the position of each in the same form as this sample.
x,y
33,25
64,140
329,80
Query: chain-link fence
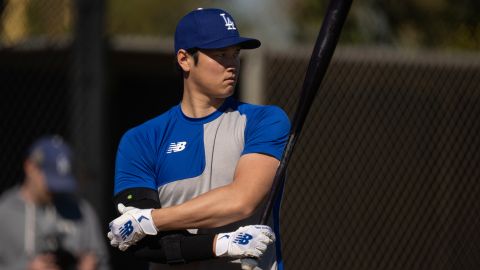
x,y
34,62
384,175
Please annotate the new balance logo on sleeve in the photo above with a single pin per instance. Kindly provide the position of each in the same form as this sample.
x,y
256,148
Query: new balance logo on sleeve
x,y
176,147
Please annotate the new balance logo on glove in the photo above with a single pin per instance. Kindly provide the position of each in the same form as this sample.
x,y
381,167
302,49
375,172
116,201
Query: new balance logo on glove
x,y
243,238
176,147
126,229
142,218
226,236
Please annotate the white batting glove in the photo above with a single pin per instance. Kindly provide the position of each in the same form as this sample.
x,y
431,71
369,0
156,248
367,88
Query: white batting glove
x,y
130,227
248,241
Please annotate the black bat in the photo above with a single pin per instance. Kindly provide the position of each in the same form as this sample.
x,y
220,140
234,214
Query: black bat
x,y
327,39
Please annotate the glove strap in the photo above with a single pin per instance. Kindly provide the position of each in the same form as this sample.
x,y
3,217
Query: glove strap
x,y
172,248
221,247
146,222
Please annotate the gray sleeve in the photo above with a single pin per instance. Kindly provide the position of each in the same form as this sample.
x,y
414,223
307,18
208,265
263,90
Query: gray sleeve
x,y
95,240
12,251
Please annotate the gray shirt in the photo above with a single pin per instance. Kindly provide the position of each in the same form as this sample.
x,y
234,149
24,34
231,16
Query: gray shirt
x,y
28,230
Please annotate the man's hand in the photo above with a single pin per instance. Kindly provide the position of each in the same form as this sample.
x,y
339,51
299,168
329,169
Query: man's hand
x,y
248,241
130,227
43,261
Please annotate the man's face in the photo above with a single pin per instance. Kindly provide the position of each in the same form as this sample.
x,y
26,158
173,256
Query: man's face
x,y
37,182
216,71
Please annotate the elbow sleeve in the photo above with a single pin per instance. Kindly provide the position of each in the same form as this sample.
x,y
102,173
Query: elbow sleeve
x,y
142,198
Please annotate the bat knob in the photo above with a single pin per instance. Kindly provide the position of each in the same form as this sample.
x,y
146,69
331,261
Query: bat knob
x,y
249,263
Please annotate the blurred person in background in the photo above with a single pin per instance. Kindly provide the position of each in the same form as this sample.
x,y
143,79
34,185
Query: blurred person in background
x,y
45,225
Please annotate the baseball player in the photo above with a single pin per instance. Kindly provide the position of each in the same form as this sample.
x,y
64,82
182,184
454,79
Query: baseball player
x,y
209,161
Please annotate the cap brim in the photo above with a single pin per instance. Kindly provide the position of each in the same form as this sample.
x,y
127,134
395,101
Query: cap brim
x,y
244,43
60,184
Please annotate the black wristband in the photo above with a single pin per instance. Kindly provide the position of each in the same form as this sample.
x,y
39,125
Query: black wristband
x,y
198,247
172,248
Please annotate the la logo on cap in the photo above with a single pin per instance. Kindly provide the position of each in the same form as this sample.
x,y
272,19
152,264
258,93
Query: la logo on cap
x,y
228,22
63,165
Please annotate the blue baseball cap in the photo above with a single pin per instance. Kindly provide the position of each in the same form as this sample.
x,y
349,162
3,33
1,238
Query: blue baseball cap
x,y
210,28
54,157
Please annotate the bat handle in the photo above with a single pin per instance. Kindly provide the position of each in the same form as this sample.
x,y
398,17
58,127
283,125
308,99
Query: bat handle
x,y
249,263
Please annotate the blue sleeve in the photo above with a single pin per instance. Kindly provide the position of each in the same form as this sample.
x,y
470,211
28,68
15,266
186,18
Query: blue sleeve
x,y
267,131
135,162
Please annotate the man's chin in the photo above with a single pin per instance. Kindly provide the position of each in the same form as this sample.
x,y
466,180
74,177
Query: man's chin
x,y
227,93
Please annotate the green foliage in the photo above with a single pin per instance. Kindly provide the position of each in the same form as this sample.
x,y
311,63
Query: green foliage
x,y
142,17
437,24
442,24
148,17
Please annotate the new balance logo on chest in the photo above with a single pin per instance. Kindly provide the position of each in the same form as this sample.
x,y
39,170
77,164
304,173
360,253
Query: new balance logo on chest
x,y
176,147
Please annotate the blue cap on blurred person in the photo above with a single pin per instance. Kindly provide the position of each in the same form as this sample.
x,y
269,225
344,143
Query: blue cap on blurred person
x,y
210,29
54,157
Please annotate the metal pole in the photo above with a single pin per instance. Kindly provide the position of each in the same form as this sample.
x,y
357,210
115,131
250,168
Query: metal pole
x,y
87,124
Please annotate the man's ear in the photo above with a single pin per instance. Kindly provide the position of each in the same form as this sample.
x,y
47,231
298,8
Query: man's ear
x,y
183,60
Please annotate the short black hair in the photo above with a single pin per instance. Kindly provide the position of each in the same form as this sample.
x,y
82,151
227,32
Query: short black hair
x,y
194,53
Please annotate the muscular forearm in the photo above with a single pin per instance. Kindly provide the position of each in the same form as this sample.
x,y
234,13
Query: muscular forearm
x,y
216,208
235,201
206,210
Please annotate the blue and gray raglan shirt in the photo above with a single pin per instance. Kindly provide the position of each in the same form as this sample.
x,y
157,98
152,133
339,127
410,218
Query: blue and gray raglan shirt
x,y
183,157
